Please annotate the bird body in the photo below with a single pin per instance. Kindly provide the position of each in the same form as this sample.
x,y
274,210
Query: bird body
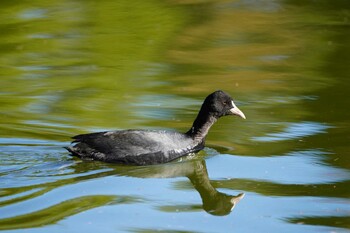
x,y
147,147
137,147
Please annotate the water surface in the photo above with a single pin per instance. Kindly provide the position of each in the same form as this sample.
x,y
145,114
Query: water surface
x,y
70,67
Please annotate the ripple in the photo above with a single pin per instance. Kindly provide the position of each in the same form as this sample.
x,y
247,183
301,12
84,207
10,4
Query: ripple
x,y
298,167
163,106
294,131
54,213
35,13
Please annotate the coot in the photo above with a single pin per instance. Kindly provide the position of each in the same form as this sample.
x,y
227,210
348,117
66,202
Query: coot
x,y
147,147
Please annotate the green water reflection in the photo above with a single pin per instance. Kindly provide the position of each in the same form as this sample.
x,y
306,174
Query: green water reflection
x,y
70,67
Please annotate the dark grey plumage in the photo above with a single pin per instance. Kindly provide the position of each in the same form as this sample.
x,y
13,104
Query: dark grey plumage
x,y
146,147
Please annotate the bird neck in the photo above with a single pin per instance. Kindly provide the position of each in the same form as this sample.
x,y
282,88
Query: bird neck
x,y
201,126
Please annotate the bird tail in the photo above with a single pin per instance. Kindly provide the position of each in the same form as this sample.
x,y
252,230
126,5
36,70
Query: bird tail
x,y
72,151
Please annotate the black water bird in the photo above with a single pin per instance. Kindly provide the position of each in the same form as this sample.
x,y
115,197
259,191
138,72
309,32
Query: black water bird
x,y
147,147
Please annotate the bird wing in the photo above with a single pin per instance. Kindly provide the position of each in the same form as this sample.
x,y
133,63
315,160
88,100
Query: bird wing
x,y
124,142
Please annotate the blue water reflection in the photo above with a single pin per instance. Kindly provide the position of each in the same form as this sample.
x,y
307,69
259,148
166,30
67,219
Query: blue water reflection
x,y
162,107
294,131
299,167
32,14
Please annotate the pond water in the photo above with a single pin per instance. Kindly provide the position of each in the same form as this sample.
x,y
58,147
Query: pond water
x,y
71,67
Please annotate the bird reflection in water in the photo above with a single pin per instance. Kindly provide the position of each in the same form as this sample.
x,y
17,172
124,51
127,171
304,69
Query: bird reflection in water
x,y
214,202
